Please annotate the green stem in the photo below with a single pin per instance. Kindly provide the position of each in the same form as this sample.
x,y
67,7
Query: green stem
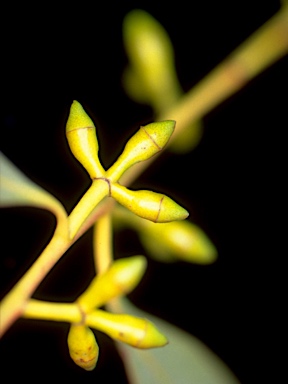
x,y
69,312
102,243
97,191
14,302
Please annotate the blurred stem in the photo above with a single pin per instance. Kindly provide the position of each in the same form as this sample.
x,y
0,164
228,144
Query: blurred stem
x,y
263,48
267,45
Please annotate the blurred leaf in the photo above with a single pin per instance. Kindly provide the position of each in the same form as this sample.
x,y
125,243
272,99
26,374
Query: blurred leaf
x,y
185,360
17,189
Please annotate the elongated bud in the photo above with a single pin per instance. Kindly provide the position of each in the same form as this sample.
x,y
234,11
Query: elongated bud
x,y
149,205
180,240
83,347
135,331
146,142
81,136
151,55
121,278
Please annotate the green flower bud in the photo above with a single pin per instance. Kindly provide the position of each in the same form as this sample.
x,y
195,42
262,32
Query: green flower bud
x,y
152,60
146,142
149,205
135,331
121,278
81,136
180,240
83,347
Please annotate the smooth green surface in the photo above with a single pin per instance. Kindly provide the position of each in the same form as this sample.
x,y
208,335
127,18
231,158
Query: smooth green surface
x,y
185,360
17,189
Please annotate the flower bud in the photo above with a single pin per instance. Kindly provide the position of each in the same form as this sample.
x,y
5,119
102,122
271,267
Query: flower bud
x,y
150,51
145,143
135,331
81,136
149,205
121,278
180,240
83,347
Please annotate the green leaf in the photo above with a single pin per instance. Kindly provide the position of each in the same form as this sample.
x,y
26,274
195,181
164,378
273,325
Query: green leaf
x,y
185,360
17,189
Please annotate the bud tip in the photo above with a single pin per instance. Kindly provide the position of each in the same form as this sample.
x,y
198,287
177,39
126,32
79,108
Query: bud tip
x,y
78,118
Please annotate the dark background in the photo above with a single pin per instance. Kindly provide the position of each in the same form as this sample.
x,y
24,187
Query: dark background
x,y
232,183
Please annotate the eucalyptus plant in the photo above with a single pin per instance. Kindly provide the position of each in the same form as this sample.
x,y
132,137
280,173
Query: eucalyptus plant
x,y
161,223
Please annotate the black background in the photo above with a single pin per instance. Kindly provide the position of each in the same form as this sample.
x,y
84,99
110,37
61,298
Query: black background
x,y
232,183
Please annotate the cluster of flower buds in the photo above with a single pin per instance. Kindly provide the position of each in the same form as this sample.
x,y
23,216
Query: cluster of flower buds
x,y
145,143
124,274
120,279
